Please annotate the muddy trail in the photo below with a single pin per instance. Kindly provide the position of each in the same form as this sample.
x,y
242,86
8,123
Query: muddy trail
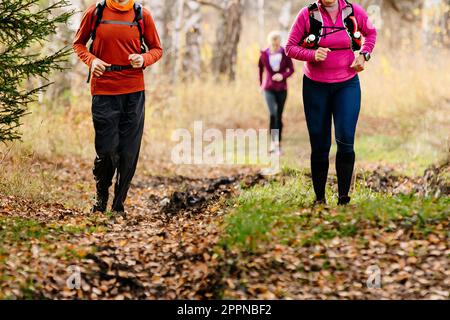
x,y
163,249
166,247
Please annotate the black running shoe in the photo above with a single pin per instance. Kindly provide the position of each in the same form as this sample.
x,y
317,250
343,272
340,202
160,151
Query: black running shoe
x,y
100,204
343,201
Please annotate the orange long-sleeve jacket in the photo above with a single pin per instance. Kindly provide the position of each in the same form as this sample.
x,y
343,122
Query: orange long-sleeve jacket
x,y
113,44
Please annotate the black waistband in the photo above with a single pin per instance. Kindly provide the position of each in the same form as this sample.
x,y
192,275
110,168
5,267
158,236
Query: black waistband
x,y
118,68
111,68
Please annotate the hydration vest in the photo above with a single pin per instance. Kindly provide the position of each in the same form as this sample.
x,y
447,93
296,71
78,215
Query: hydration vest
x,y
318,30
138,22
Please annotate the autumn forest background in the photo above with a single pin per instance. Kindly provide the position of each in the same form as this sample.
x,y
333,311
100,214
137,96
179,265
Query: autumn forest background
x,y
203,232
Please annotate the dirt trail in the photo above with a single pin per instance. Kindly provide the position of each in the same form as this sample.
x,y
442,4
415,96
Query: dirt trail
x,y
163,249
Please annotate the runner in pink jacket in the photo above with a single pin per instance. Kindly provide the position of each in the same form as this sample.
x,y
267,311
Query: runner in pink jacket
x,y
336,68
274,70
325,35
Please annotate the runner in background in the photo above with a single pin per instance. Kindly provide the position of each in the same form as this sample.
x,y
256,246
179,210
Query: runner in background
x,y
274,70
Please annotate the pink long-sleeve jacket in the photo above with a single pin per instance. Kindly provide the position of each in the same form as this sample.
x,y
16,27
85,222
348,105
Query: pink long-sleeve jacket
x,y
286,70
336,68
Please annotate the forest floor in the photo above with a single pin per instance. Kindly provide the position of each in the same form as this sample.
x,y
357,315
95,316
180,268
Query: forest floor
x,y
235,235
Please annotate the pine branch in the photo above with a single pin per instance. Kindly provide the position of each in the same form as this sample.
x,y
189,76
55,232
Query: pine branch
x,y
25,27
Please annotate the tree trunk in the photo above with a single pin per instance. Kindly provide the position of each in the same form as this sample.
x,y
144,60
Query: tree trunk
x,y
261,22
174,53
435,23
192,61
227,38
285,19
164,13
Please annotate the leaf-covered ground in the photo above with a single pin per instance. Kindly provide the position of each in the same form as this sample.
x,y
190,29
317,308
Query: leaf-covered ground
x,y
329,252
241,236
165,248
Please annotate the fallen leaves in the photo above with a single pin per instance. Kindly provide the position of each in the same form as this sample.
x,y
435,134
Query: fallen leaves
x,y
167,248
164,249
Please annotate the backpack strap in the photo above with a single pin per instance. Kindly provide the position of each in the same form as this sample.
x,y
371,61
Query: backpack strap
x,y
351,26
96,19
317,30
139,19
312,39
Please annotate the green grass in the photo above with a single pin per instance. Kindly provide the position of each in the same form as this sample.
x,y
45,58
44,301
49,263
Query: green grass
x,y
25,232
52,241
412,155
19,229
281,212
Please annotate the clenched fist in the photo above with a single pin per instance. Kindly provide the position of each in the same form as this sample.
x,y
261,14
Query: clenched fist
x,y
277,77
358,64
98,67
322,54
136,60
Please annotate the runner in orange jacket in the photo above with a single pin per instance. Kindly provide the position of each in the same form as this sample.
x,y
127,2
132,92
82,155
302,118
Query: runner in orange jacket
x,y
119,30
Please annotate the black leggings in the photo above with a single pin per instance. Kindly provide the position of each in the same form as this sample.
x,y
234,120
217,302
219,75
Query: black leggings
x,y
119,123
325,103
275,102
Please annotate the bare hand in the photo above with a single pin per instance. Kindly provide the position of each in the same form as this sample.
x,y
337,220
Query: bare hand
x,y
98,67
277,77
321,54
136,60
358,64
